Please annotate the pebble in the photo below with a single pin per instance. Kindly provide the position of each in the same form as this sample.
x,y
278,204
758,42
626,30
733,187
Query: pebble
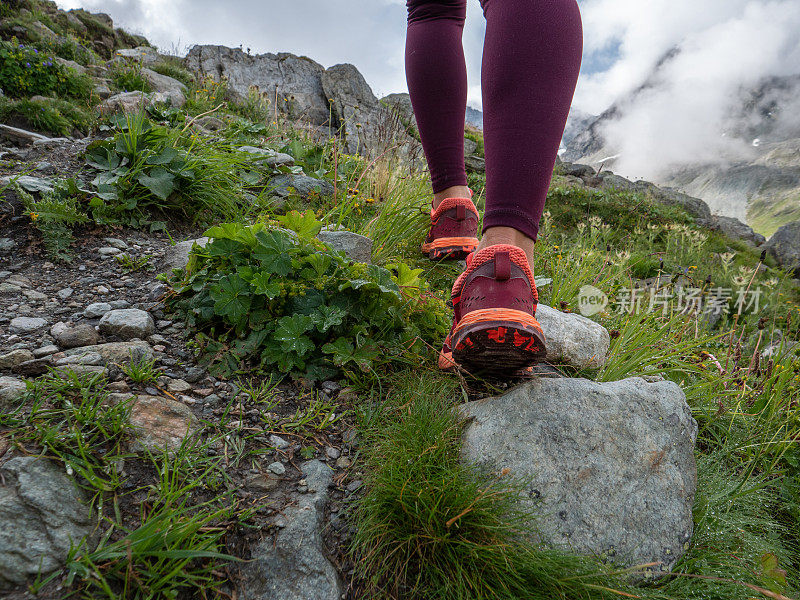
x,y
127,323
278,442
178,385
277,468
109,251
65,293
45,350
96,309
9,360
343,462
332,452
354,485
116,243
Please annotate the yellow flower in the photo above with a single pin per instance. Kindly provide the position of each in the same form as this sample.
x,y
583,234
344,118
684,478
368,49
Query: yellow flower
x,y
34,216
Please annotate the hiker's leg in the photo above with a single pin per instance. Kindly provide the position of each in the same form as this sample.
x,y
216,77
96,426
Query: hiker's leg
x,y
531,59
437,83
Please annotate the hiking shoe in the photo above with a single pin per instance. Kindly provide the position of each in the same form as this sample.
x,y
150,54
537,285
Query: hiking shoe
x,y
494,330
454,230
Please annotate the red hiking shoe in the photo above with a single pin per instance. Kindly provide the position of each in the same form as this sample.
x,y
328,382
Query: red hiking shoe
x,y
454,229
495,330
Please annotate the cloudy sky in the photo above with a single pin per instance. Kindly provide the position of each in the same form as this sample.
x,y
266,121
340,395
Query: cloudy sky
x,y
623,38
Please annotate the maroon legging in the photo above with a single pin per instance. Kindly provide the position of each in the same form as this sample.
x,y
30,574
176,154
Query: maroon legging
x,y
531,58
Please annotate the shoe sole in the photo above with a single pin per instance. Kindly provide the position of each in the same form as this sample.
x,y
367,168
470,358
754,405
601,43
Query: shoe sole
x,y
455,248
498,341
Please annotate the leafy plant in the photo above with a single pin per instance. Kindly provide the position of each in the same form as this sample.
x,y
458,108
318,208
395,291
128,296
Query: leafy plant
x,y
25,72
127,75
271,298
54,215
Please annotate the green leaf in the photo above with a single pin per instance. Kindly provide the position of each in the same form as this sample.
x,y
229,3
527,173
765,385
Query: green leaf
x,y
290,333
160,182
305,224
273,251
328,316
231,297
343,352
167,155
263,287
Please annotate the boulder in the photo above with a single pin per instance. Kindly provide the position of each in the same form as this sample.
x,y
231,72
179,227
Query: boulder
x,y
114,352
145,55
127,323
19,136
293,565
271,158
401,104
171,88
177,256
357,248
299,184
736,230
672,197
42,513
291,81
609,468
573,339
68,335
129,102
576,170
784,246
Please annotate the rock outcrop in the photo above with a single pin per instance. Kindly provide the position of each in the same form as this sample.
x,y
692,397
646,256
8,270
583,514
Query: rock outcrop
x,y
292,566
42,513
784,245
609,467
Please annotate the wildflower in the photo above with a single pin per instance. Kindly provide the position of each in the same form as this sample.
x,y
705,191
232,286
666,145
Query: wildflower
x,y
369,200
34,216
623,256
739,280
28,65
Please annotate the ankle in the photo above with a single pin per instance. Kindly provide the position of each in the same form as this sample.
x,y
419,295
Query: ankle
x,y
511,236
456,191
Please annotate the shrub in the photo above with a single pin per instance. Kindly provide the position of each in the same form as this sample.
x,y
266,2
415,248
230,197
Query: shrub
x,y
277,300
25,72
127,76
148,169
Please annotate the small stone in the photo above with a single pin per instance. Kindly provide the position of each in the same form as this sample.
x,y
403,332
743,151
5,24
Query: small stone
x,y
109,251
97,309
116,243
278,442
127,323
101,289
277,468
573,339
115,304
34,295
11,390
161,422
357,248
194,374
64,293
27,324
37,366
343,462
7,244
118,386
354,485
9,360
45,350
89,358
332,453
8,289
261,482
72,336
178,385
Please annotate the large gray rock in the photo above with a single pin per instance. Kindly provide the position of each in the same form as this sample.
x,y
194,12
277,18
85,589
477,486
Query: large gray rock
x,y
271,158
355,106
115,352
127,323
609,467
11,390
27,324
171,88
299,184
293,566
9,360
145,55
177,256
736,230
294,81
401,104
671,197
573,339
42,512
357,248
784,245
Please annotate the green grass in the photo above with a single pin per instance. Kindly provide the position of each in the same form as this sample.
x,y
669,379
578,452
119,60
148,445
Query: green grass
x,y
127,76
173,67
51,116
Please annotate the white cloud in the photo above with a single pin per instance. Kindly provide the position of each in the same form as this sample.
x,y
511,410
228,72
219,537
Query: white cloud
x,y
682,117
